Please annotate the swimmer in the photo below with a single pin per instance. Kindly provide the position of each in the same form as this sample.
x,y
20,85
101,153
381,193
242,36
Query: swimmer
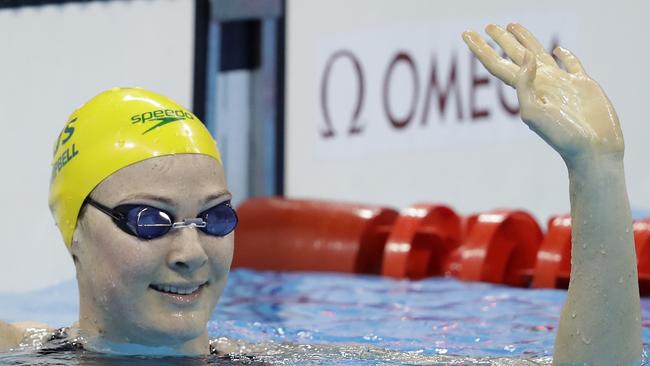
x,y
600,323
139,194
141,200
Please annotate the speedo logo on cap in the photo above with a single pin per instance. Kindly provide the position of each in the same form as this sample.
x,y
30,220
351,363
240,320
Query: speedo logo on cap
x,y
161,116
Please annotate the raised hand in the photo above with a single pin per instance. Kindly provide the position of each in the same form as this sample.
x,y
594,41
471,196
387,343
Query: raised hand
x,y
599,325
565,107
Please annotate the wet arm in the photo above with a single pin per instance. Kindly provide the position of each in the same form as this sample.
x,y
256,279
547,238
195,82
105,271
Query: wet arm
x,y
10,336
599,324
600,321
21,334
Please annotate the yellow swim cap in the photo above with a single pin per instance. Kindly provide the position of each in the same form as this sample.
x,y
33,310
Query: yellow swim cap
x,y
117,128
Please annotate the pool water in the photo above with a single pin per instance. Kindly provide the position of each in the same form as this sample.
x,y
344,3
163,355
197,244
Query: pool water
x,y
338,319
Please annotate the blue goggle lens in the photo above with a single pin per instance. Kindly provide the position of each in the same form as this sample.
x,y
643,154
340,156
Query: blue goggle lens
x,y
148,222
220,220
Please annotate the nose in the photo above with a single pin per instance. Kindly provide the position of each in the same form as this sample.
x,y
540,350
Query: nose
x,y
187,253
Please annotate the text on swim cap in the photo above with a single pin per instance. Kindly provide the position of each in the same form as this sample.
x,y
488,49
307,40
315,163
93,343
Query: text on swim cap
x,y
162,116
69,153
65,135
63,159
146,116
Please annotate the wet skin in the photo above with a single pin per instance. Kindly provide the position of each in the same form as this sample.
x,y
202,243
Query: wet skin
x,y
122,279
600,322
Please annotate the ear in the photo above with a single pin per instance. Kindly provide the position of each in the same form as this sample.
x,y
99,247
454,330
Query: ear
x,y
78,237
75,247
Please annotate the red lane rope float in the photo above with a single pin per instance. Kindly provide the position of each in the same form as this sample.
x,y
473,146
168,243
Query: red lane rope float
x,y
642,245
554,257
422,237
553,268
309,235
500,247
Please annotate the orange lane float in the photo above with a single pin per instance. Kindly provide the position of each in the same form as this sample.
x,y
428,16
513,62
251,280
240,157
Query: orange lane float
x,y
553,268
500,247
422,237
554,257
309,235
642,244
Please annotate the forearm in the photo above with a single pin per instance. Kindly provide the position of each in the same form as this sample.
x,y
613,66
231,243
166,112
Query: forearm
x,y
600,323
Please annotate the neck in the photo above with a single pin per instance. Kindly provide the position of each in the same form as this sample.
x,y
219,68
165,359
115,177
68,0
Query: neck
x,y
99,337
195,347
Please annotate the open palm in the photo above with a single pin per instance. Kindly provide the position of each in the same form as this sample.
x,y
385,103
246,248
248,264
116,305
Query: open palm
x,y
566,108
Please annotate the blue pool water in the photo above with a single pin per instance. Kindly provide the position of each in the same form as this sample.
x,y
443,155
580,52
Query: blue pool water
x,y
336,319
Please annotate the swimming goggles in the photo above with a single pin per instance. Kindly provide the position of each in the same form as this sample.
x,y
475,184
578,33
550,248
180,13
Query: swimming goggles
x,y
147,222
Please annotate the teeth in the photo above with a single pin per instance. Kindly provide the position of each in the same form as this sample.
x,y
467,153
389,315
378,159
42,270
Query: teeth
x,y
176,290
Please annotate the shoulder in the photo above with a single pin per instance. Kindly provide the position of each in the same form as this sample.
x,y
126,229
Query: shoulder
x,y
23,334
10,336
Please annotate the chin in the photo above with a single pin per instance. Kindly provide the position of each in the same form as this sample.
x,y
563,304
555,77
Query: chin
x,y
176,328
170,334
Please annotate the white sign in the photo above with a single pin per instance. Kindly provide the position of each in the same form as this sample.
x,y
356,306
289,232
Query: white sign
x,y
407,93
385,105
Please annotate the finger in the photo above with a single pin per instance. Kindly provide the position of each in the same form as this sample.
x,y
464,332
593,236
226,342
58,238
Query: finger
x,y
495,64
524,83
529,41
507,42
571,63
526,75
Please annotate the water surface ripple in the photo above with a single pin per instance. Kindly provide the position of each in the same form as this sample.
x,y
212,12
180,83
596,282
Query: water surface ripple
x,y
339,319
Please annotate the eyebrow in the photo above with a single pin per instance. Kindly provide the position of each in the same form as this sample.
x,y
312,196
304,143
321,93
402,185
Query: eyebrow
x,y
169,201
218,195
147,196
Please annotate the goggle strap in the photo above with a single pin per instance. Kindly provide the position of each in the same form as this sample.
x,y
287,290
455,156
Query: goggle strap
x,y
110,212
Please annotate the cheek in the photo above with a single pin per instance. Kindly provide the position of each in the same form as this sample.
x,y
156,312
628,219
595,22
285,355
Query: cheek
x,y
122,263
123,283
220,260
134,267
220,252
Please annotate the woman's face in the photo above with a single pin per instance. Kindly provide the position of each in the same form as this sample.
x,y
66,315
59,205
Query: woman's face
x,y
126,283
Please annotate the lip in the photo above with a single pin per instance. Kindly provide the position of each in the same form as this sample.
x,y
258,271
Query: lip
x,y
180,294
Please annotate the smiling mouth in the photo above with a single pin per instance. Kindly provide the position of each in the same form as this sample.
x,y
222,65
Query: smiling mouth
x,y
178,290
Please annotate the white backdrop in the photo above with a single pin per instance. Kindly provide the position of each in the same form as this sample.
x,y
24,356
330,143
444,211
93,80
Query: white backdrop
x,y
468,149
54,58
